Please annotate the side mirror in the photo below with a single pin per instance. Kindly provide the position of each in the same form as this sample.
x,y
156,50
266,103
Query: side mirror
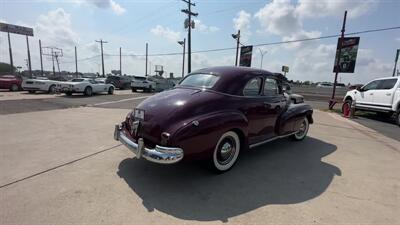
x,y
360,89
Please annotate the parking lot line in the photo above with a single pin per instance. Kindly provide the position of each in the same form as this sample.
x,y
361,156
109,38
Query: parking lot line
x,y
117,101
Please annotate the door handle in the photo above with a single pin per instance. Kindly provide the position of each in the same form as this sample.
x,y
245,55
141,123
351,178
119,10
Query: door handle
x,y
388,94
371,94
267,105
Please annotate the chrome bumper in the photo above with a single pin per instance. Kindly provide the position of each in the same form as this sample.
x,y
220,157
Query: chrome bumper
x,y
159,154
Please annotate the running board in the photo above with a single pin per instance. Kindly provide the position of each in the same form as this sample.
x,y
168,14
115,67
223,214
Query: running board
x,y
269,140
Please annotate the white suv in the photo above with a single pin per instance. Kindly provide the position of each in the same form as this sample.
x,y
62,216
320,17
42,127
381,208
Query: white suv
x,y
142,83
380,95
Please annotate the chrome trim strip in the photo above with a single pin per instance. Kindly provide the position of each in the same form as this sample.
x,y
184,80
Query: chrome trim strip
x,y
269,140
160,154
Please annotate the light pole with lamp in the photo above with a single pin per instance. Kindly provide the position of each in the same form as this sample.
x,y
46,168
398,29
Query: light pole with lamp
x,y
183,44
237,37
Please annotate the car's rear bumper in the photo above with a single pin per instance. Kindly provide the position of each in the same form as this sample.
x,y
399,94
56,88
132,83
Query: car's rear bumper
x,y
159,154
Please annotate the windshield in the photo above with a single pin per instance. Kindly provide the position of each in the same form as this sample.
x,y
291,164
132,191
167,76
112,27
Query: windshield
x,y
76,80
200,80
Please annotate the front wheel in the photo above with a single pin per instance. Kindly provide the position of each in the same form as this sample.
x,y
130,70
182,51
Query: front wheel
x,y
111,91
398,117
52,89
346,108
88,91
14,87
303,130
226,152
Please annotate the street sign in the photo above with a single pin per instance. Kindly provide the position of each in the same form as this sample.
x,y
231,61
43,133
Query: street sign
x,y
285,69
15,29
346,62
245,55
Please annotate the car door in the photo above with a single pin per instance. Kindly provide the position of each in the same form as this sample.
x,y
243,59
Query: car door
x,y
365,97
383,96
252,106
274,102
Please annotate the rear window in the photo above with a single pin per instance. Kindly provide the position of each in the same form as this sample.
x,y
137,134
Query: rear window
x,y
200,80
76,80
140,78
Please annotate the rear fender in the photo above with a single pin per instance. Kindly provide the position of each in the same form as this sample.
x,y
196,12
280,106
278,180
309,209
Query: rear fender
x,y
291,119
199,135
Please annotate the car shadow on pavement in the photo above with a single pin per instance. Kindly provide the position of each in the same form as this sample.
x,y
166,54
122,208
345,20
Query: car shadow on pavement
x,y
281,172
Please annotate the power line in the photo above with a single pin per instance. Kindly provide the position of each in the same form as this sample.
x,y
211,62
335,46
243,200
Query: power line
x,y
255,45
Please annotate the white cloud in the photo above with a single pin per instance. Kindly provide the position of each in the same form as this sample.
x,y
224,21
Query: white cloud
x,y
103,4
398,39
167,33
242,22
200,26
300,36
55,28
322,8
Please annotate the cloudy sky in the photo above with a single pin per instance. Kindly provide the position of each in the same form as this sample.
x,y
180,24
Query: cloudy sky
x,y
131,23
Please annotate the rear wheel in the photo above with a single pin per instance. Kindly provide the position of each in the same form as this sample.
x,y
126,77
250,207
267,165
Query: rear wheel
x,y
110,90
88,91
226,152
303,130
52,89
14,87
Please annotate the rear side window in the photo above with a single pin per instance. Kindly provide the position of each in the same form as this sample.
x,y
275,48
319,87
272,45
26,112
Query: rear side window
x,y
200,80
387,84
271,87
253,87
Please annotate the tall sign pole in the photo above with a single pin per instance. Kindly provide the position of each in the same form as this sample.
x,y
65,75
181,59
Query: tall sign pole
x,y
41,59
395,62
102,56
147,53
120,63
183,57
29,57
190,25
237,37
76,63
11,58
332,102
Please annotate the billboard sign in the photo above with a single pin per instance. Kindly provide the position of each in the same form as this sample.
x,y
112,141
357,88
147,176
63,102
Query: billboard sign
x,y
346,62
245,55
15,29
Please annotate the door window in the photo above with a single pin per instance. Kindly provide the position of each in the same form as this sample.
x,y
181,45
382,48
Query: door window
x,y
387,84
371,86
253,87
271,87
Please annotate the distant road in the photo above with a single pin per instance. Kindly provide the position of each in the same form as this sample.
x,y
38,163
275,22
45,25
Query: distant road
x,y
319,94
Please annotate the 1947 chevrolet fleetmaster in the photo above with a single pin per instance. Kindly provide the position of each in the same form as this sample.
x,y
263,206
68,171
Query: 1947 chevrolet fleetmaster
x,y
214,114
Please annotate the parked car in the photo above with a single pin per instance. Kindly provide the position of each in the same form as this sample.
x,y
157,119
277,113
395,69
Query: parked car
x,y
11,82
120,82
87,86
380,95
324,85
40,84
213,114
142,83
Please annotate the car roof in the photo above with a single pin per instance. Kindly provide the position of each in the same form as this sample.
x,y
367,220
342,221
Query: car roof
x,y
233,79
385,78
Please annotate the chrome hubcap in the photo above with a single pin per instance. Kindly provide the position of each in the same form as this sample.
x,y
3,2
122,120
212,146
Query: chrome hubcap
x,y
226,151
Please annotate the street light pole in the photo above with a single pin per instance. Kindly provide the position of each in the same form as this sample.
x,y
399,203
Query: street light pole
x,y
262,56
237,37
183,43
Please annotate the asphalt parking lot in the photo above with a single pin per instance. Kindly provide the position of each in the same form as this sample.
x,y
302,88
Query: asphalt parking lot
x,y
60,165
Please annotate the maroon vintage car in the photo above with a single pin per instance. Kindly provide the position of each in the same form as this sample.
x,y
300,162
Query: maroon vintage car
x,y
11,82
213,114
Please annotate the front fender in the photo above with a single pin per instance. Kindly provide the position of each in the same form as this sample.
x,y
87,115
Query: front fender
x,y
198,141
291,119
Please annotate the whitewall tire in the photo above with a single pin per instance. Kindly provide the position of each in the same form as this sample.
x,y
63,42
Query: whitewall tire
x,y
302,133
226,152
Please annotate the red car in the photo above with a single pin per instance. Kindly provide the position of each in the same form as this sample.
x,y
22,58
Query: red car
x,y
214,114
11,82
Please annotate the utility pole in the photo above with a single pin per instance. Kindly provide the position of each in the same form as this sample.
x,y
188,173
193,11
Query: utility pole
x,y
41,60
52,59
76,63
147,53
120,63
58,63
395,61
102,56
29,57
183,43
262,56
332,102
189,24
237,37
11,58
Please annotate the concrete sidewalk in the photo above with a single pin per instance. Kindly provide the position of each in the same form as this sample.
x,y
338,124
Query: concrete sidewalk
x,y
63,167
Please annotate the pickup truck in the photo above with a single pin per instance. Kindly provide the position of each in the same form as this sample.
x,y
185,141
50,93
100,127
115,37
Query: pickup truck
x,y
380,95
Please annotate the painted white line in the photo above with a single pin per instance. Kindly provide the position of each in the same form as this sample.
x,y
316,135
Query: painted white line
x,y
123,100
